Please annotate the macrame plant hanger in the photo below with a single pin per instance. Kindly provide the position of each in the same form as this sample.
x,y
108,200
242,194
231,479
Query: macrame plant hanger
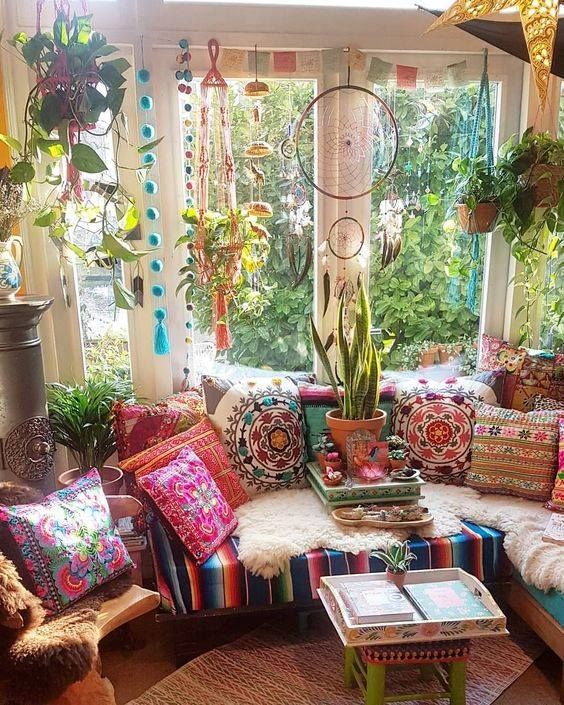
x,y
228,255
483,110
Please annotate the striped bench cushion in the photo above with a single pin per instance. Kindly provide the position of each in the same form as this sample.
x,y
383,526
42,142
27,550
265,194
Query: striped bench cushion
x,y
222,581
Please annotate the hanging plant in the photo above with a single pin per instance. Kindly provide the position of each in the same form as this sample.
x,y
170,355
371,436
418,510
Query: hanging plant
x,y
531,188
477,200
78,95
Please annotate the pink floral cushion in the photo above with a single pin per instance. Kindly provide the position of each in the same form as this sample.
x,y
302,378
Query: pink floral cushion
x,y
67,543
556,501
191,504
140,426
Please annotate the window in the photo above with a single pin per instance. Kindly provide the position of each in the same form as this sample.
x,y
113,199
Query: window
x,y
283,304
423,298
103,326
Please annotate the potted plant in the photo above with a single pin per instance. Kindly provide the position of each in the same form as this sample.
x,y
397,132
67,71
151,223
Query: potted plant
x,y
428,353
81,418
359,366
78,93
477,200
397,557
397,452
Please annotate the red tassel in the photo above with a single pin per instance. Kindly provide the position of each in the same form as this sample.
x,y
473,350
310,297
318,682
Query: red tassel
x,y
222,333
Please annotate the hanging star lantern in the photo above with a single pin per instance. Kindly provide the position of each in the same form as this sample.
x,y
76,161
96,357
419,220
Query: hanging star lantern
x,y
540,22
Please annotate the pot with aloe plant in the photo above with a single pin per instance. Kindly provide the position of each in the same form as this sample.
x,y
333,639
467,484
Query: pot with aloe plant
x,y
359,363
477,190
397,558
81,418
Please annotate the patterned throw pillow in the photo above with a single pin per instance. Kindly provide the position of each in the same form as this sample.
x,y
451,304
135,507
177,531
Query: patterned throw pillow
x,y
528,373
204,441
556,501
191,503
68,543
538,402
261,425
140,426
514,453
437,420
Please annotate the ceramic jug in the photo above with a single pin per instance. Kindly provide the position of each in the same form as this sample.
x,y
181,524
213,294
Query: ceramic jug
x,y
10,275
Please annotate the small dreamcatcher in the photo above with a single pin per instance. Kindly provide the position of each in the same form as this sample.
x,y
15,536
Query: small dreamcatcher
x,y
346,238
360,142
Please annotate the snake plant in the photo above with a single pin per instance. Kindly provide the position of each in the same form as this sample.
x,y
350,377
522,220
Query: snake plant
x,y
359,362
397,556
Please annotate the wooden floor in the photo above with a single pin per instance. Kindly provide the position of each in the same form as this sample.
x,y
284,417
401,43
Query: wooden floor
x,y
134,672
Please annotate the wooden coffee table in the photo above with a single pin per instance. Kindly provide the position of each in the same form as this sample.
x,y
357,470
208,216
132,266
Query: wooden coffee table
x,y
438,647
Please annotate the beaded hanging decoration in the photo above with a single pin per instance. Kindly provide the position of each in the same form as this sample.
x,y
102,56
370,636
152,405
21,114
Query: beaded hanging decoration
x,y
161,345
184,76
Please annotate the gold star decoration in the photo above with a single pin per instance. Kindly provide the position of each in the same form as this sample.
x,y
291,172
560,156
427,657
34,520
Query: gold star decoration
x,y
540,23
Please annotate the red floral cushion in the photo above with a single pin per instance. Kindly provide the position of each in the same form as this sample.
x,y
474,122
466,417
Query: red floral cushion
x,y
204,441
140,426
191,503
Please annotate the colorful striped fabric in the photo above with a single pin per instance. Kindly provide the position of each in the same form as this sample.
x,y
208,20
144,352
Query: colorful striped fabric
x,y
222,581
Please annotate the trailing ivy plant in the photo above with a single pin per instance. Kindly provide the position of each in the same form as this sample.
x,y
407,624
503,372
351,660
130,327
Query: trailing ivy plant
x,y
78,96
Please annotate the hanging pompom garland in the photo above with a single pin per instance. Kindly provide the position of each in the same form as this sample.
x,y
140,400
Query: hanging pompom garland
x,y
184,76
161,345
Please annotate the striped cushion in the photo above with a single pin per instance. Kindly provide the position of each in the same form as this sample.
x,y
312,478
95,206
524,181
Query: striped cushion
x,y
514,453
222,581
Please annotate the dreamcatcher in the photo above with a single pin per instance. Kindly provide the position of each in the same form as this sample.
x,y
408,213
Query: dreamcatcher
x,y
225,255
299,243
390,226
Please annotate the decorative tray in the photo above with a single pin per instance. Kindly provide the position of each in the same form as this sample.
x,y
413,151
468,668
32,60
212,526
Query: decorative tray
x,y
343,516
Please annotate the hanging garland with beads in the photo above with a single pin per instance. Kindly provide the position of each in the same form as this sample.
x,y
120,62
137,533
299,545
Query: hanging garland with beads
x,y
161,345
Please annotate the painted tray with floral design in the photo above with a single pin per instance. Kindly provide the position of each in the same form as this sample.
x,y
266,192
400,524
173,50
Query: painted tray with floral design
x,y
419,628
343,517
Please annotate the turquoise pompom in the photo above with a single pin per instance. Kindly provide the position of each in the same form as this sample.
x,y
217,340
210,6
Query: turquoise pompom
x,y
188,75
146,102
157,290
143,75
149,158
160,314
151,187
183,44
153,213
187,107
154,239
156,265
147,131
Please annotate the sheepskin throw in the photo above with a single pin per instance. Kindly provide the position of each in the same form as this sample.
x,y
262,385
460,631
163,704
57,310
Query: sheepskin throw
x,y
277,526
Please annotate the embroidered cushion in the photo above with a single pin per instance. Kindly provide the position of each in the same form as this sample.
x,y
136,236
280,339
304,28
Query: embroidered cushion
x,y
514,452
140,426
204,441
556,501
191,503
261,425
68,543
528,373
538,402
437,420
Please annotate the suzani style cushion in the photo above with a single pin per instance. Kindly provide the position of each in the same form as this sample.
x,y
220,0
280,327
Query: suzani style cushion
x,y
68,543
261,425
191,504
556,501
140,426
204,441
541,403
437,420
514,453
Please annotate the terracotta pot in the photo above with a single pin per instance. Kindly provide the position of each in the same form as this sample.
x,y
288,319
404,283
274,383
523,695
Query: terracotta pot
x,y
427,358
480,220
112,478
397,578
544,179
341,428
443,356
397,464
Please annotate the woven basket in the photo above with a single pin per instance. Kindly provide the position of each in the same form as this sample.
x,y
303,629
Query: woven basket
x,y
544,179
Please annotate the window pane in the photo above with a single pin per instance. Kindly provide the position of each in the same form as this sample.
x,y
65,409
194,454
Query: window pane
x,y
425,298
282,341
552,320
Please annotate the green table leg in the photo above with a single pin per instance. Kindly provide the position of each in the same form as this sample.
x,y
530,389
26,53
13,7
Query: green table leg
x,y
350,681
458,683
375,684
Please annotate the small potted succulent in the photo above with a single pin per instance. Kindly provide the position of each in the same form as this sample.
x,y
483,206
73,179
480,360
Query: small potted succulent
x,y
397,452
397,557
477,201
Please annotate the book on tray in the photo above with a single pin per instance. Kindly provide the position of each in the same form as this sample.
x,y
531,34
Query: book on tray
x,y
554,532
446,600
372,601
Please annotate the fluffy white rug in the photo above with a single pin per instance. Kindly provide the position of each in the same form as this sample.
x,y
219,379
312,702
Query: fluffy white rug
x,y
276,526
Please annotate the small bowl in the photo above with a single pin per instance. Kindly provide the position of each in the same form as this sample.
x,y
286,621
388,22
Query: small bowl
x,y
401,476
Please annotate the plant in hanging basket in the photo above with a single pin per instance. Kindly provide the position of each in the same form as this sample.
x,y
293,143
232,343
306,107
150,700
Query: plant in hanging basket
x,y
477,200
359,362
78,93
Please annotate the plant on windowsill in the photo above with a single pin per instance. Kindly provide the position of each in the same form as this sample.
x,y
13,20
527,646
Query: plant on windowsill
x,y
78,93
359,363
397,558
477,200
428,353
531,180
81,418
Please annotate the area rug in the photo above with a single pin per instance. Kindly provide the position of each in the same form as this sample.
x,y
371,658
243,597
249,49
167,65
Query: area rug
x,y
301,524
275,665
